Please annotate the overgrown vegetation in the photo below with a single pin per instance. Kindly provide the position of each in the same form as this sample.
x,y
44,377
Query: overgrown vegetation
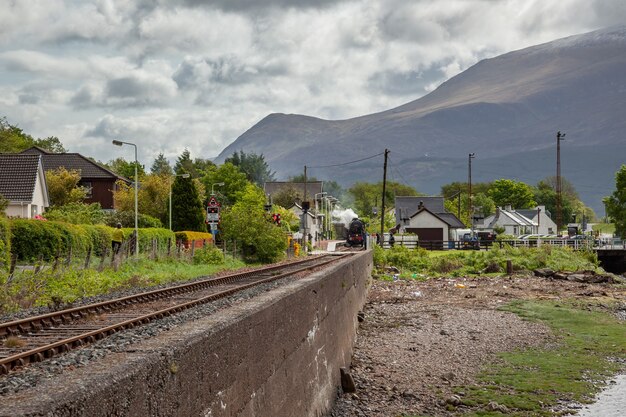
x,y
411,262
533,382
58,288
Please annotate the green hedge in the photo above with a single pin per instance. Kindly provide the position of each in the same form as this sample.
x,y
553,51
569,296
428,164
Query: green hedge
x,y
5,243
146,235
32,239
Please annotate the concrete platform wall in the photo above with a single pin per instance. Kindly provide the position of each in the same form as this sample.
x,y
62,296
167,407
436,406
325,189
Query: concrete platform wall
x,y
276,355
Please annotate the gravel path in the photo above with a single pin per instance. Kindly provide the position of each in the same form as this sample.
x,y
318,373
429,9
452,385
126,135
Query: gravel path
x,y
421,340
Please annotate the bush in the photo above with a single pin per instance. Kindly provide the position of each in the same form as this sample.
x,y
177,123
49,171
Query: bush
x,y
146,236
5,243
127,219
187,237
34,239
77,213
208,255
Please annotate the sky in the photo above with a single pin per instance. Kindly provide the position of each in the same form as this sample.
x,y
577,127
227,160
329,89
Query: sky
x,y
170,75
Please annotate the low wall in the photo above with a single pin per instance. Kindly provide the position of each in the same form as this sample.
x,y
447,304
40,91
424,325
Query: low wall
x,y
275,355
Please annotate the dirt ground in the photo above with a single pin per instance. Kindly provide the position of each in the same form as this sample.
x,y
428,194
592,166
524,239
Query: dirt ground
x,y
420,340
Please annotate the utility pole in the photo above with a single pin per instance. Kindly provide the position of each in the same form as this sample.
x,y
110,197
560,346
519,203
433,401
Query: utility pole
x,y
559,203
382,210
305,219
469,182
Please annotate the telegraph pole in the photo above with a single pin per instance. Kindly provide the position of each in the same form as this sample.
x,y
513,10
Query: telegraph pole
x,y
559,203
382,211
469,186
305,219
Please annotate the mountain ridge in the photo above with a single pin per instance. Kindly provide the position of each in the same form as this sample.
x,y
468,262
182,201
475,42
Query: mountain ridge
x,y
510,105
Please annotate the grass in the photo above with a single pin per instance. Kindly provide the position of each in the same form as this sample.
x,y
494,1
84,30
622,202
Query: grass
x,y
416,263
604,228
533,382
64,286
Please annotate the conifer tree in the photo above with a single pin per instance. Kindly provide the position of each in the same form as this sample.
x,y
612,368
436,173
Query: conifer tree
x,y
187,208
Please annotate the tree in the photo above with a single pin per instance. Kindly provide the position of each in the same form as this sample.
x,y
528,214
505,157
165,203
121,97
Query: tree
x,y
126,169
51,144
368,195
152,196
506,192
235,182
197,168
286,196
187,207
13,140
161,166
254,166
63,187
248,224
616,203
4,203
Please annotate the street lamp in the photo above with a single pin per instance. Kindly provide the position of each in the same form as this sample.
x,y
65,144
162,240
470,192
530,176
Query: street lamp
x,y
171,182
213,187
120,143
469,181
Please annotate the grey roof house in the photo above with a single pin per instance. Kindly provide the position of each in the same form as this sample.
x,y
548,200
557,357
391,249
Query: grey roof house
x,y
23,184
513,222
99,181
426,217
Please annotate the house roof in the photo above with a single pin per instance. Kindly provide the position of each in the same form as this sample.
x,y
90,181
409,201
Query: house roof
x,y
299,207
512,217
532,213
407,207
73,161
312,188
18,176
448,218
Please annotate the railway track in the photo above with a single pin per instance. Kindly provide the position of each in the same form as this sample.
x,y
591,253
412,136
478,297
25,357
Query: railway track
x,y
38,338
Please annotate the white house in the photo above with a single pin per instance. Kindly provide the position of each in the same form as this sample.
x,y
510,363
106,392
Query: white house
x,y
539,215
513,222
312,222
23,184
426,217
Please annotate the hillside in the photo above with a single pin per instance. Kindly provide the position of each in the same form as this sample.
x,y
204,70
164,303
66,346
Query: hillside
x,y
506,109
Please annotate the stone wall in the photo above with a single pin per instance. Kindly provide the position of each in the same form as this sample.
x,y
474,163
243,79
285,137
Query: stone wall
x,y
275,355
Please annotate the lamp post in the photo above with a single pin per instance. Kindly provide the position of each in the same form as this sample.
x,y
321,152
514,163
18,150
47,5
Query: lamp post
x,y
213,187
469,181
120,143
171,182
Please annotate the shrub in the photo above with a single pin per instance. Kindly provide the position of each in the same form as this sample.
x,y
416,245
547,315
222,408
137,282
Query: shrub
x,y
187,237
146,236
208,255
77,213
127,219
5,243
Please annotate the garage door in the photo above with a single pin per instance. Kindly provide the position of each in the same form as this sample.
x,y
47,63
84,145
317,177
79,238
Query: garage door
x,y
428,234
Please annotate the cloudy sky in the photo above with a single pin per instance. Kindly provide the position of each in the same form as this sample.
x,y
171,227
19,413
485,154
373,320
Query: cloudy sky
x,y
189,73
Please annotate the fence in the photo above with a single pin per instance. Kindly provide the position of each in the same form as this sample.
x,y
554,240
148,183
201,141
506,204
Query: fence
x,y
154,250
576,244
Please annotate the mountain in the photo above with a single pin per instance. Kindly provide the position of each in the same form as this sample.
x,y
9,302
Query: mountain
x,y
507,110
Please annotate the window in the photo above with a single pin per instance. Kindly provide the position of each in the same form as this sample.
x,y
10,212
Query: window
x,y
88,188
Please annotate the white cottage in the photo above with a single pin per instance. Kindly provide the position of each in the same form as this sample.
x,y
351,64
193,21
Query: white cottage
x,y
23,184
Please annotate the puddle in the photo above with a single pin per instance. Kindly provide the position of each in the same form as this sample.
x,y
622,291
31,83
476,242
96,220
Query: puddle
x,y
609,403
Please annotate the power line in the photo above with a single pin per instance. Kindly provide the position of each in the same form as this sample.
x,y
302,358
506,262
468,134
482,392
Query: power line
x,y
346,163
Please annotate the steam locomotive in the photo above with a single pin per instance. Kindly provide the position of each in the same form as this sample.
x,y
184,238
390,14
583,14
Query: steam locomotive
x,y
356,233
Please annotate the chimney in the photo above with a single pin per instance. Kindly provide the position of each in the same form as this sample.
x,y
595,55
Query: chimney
x,y
508,208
